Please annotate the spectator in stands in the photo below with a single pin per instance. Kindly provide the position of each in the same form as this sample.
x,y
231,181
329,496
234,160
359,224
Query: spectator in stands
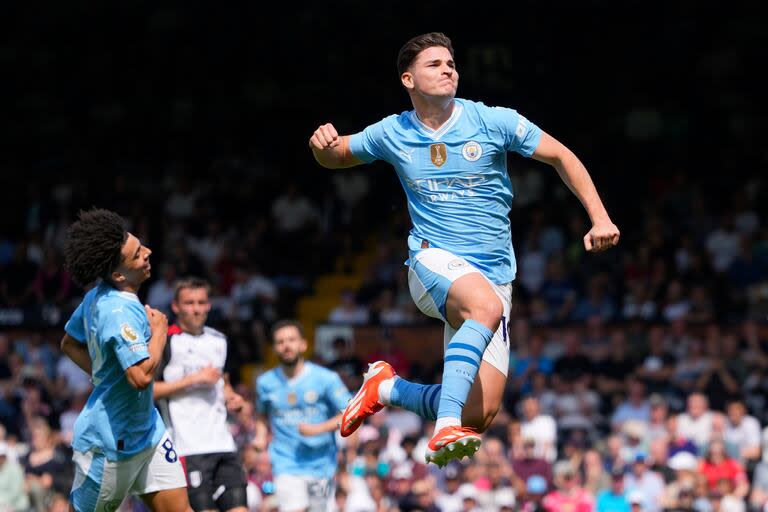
x,y
612,371
44,466
558,290
532,499
657,424
720,381
530,361
690,368
717,465
52,284
696,423
649,483
659,365
568,494
348,312
635,407
17,279
597,302
572,364
12,494
613,499
758,497
596,478
743,431
539,427
529,464
722,244
346,363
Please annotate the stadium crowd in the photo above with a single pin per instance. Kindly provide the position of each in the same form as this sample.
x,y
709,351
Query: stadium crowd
x,y
637,379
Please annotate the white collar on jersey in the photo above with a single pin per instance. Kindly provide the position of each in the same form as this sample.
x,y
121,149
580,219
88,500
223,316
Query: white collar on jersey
x,y
458,108
129,296
296,378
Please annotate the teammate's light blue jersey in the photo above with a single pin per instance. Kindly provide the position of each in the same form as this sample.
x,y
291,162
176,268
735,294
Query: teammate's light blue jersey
x,y
455,179
118,419
313,396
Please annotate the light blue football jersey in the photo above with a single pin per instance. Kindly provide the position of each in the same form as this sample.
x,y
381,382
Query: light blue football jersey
x,y
118,419
455,179
315,395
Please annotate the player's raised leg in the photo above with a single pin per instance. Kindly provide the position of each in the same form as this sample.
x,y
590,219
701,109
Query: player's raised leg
x,y
473,308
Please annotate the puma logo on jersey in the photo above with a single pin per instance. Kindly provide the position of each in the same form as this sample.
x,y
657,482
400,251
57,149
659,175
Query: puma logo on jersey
x,y
408,155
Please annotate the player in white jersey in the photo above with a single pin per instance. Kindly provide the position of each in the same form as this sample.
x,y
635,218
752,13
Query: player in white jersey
x,y
198,398
120,443
450,156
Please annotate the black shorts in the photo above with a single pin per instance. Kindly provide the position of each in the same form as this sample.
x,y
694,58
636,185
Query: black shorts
x,y
215,481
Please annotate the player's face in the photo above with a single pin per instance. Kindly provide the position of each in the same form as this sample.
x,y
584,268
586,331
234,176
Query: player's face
x,y
432,74
192,307
134,267
289,345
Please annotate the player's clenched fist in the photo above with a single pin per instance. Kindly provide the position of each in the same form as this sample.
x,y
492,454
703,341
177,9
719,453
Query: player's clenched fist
x,y
325,137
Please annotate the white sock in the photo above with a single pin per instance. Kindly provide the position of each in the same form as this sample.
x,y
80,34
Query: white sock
x,y
385,390
441,423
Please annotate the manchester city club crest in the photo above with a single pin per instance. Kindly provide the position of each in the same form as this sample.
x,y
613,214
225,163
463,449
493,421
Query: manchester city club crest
x,y
472,151
310,397
438,154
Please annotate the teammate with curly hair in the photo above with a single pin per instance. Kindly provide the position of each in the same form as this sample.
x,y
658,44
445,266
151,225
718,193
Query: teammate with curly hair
x,y
120,443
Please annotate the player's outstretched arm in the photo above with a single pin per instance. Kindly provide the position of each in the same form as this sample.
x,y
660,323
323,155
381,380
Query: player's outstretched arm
x,y
77,352
331,150
604,233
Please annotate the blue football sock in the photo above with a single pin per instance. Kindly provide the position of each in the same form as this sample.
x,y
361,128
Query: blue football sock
x,y
462,361
419,398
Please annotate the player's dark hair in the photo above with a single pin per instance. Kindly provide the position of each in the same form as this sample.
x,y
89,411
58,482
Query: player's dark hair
x,y
190,282
412,48
93,244
287,323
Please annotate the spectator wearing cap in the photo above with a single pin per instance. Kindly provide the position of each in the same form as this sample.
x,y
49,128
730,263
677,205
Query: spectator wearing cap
x,y
533,496
685,466
568,494
636,501
504,499
12,494
529,464
648,482
470,498
400,483
634,432
613,499
539,427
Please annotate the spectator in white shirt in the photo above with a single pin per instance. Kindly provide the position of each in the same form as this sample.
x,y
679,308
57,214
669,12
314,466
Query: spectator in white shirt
x,y
696,423
539,427
743,431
